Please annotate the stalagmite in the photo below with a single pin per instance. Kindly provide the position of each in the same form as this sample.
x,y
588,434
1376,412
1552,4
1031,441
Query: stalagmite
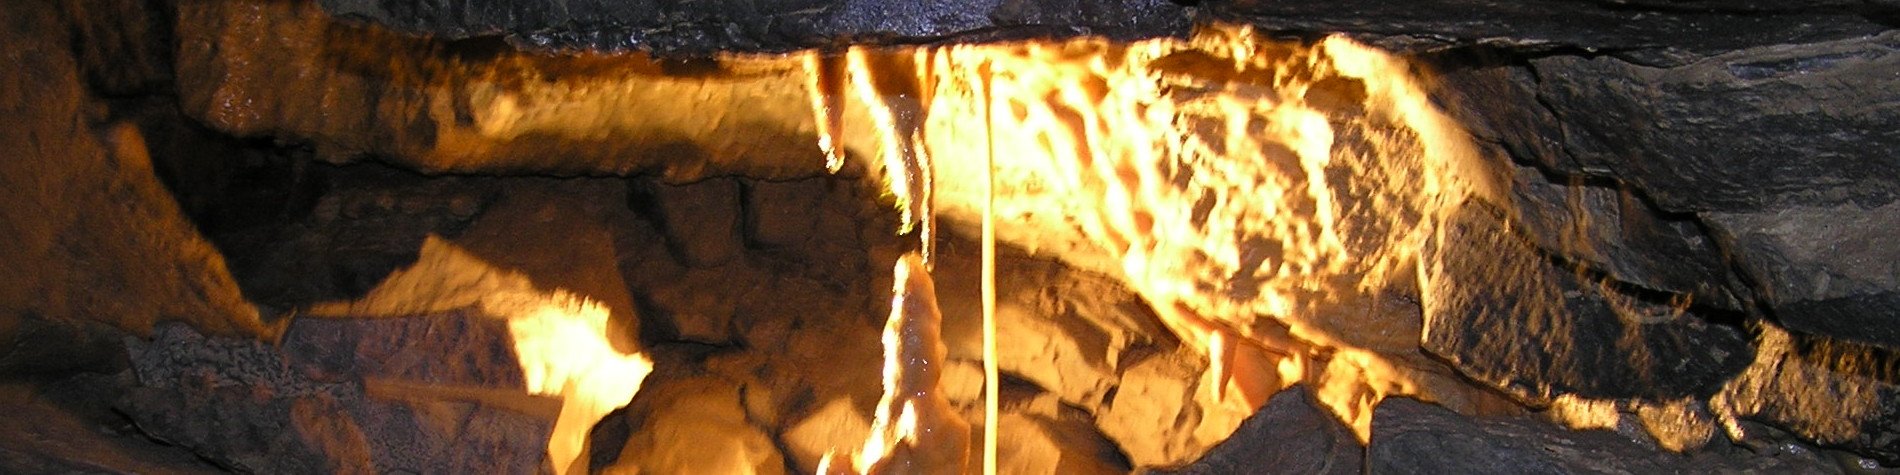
x,y
916,430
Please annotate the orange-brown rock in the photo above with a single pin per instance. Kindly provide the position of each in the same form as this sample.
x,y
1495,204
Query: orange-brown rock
x,y
287,70
92,241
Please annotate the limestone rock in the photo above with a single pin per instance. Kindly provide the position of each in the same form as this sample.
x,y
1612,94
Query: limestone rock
x,y
1741,131
1162,416
701,220
1559,25
344,396
1828,270
694,425
286,69
94,244
1413,437
771,26
1064,442
782,214
835,425
1611,229
1500,314
1291,434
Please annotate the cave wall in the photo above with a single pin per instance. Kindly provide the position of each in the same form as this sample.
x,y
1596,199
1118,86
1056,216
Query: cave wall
x,y
1688,167
1732,154
1756,133
95,246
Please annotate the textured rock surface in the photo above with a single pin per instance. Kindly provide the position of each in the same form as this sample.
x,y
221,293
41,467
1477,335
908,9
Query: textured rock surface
x,y
1657,30
694,425
1291,434
1741,130
807,440
1613,230
760,26
1045,438
286,70
1829,270
348,396
701,220
94,245
1663,147
1538,330
68,426
1765,156
1413,437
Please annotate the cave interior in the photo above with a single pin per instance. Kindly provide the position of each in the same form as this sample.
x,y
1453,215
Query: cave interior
x,y
853,236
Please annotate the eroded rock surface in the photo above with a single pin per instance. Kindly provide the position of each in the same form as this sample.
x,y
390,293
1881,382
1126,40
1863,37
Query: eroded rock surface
x,y
94,244
1413,437
761,26
349,396
1291,434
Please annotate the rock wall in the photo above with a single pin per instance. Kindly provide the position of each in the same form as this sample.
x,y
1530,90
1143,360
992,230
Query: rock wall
x,y
94,244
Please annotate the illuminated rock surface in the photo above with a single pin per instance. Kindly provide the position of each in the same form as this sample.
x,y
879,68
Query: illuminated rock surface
x,y
1679,181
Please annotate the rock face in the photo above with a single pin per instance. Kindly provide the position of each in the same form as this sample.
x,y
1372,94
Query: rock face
x,y
1291,434
1540,331
1828,270
1413,437
694,425
1657,30
1688,177
428,394
94,244
1740,130
1746,144
755,26
287,70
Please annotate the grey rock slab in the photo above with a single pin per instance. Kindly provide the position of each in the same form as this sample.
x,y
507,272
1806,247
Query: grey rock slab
x,y
1502,314
1411,437
1831,270
1799,123
745,25
256,407
1694,28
